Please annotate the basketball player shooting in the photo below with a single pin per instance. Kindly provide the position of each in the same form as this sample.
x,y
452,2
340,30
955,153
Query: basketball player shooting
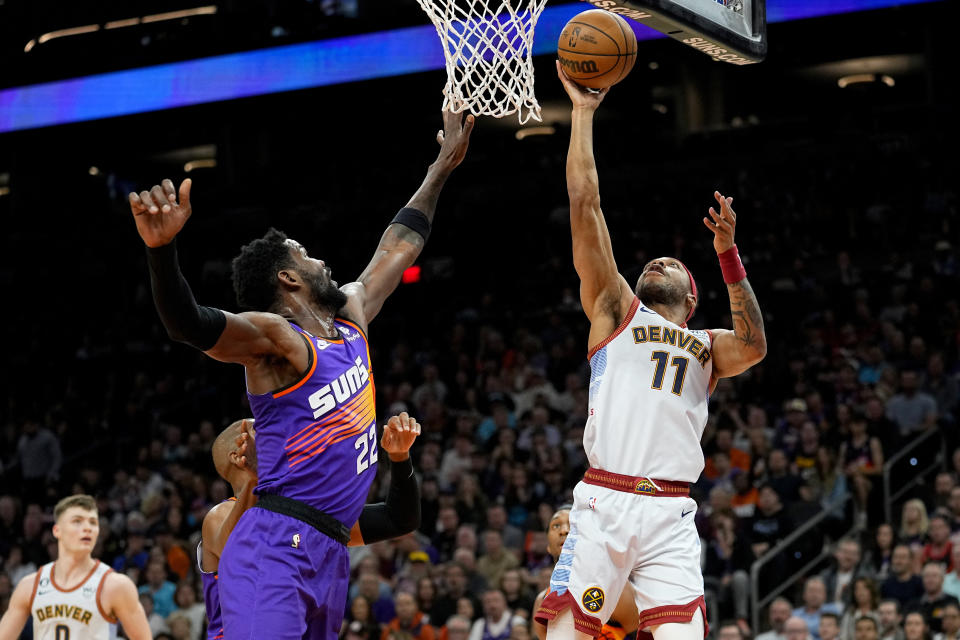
x,y
76,597
284,571
650,382
235,459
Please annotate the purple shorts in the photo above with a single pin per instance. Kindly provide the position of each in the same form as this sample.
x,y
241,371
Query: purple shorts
x,y
282,579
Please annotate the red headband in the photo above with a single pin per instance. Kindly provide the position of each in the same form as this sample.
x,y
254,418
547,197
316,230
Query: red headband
x,y
693,290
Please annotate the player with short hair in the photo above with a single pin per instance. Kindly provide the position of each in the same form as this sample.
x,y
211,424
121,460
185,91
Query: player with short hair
x,y
235,458
284,570
77,597
651,377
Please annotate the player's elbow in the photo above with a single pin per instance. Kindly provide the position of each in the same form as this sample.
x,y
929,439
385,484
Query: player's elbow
x,y
584,195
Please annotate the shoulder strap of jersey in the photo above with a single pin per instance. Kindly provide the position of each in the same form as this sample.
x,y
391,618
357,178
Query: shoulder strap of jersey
x,y
103,579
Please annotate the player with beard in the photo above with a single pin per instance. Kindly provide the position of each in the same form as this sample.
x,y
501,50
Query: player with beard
x,y
650,382
284,570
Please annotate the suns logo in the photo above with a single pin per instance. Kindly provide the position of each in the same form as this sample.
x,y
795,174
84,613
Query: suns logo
x,y
327,397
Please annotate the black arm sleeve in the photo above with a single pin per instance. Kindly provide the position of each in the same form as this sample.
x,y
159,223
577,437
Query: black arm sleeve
x,y
400,514
184,320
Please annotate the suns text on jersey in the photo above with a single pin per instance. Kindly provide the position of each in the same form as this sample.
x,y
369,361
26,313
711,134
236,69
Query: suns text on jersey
x,y
346,385
64,611
674,337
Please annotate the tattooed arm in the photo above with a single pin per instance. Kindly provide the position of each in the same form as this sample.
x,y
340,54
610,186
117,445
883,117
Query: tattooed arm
x,y
735,351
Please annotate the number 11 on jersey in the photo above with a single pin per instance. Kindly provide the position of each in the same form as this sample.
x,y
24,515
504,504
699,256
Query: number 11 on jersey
x,y
680,362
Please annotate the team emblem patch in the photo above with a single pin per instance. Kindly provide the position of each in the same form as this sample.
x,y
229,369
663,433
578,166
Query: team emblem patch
x,y
645,487
296,541
592,599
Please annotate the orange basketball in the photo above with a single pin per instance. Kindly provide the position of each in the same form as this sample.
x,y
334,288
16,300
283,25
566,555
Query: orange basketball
x,y
597,49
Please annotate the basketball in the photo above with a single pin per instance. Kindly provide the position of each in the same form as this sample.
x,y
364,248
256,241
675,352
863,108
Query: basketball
x,y
597,49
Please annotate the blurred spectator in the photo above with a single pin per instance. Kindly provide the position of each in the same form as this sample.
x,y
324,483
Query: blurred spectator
x,y
16,566
890,620
185,598
862,457
950,623
454,588
910,409
780,610
951,583
915,626
846,570
381,604
902,585
158,623
780,477
456,628
497,521
180,626
726,582
497,620
360,621
829,627
159,588
796,628
426,595
866,599
913,522
729,630
933,600
496,560
866,628
877,559
814,603
39,457
939,548
519,599
409,619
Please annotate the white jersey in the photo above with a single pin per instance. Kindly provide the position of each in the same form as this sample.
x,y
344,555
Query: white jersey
x,y
649,391
71,614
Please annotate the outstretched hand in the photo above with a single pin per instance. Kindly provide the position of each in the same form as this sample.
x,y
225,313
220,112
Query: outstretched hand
x,y
454,138
158,215
581,97
722,224
398,436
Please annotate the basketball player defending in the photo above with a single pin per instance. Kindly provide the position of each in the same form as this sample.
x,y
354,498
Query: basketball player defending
x,y
284,570
234,456
651,378
76,597
624,618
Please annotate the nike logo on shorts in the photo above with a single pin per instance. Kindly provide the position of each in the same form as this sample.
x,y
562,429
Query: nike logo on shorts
x,y
684,514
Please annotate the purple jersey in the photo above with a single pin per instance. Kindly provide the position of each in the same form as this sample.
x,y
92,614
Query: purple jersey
x,y
317,438
211,594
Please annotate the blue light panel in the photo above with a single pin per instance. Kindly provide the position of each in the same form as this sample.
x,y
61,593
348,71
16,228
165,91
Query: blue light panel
x,y
301,66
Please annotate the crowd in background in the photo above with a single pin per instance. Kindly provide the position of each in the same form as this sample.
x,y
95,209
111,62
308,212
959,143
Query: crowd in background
x,y
859,290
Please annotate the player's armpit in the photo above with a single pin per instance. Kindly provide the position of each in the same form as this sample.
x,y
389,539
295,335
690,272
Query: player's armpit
x,y
249,337
120,599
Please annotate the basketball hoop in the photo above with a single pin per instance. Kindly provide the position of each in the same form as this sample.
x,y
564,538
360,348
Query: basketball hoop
x,y
488,48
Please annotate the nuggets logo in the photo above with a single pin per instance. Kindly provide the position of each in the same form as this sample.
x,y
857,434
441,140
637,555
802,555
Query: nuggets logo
x,y
592,599
645,487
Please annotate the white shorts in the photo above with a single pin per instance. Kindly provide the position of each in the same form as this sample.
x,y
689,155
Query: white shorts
x,y
617,536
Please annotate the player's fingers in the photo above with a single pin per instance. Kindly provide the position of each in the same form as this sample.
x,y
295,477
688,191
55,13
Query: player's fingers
x,y
135,205
160,198
148,202
468,125
185,187
393,422
710,225
416,427
715,216
718,197
168,190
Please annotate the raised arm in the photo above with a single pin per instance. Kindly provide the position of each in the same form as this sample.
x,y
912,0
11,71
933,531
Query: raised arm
x,y
603,292
244,338
405,236
735,351
400,514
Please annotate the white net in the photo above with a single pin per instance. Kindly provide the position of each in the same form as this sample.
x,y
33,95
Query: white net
x,y
488,46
